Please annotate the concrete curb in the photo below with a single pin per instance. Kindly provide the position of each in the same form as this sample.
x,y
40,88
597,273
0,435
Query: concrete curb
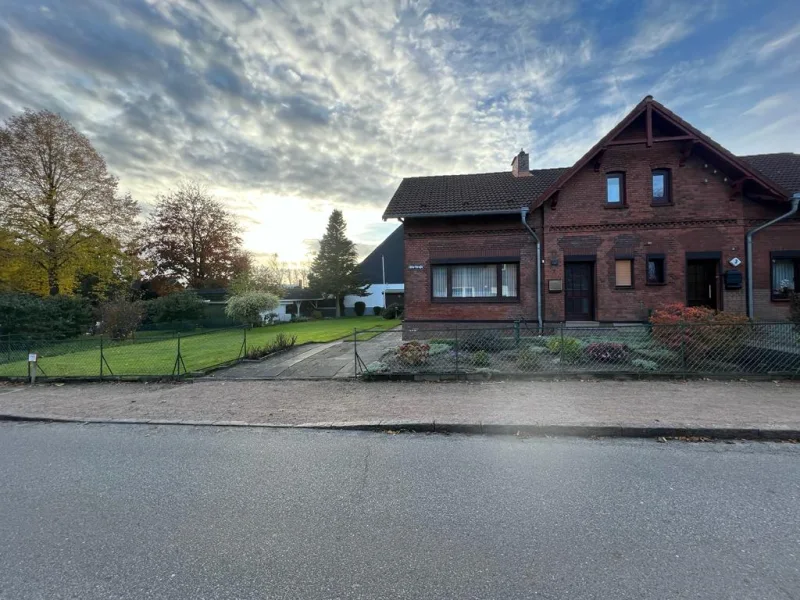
x,y
585,431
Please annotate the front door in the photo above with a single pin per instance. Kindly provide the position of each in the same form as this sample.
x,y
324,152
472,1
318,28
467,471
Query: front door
x,y
701,283
579,291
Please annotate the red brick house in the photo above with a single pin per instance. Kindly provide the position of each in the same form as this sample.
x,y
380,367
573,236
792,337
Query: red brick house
x,y
655,212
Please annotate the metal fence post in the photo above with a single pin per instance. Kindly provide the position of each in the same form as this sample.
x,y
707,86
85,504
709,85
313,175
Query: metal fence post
x,y
244,341
355,354
561,348
101,357
516,333
456,330
681,328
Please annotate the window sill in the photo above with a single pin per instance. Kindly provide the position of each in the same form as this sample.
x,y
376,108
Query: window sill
x,y
774,299
662,204
623,288
475,300
656,284
615,206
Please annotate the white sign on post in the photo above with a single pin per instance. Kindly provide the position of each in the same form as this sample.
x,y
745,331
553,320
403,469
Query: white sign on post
x,y
33,357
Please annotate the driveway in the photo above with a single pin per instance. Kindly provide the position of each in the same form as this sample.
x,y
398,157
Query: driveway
x,y
333,360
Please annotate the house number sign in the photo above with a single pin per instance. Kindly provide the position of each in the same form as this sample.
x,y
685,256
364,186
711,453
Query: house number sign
x,y
415,267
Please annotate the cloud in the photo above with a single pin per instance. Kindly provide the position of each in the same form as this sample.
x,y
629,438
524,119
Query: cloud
x,y
291,109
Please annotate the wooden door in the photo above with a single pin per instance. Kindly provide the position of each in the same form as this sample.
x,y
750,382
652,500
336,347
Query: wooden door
x,y
701,283
579,291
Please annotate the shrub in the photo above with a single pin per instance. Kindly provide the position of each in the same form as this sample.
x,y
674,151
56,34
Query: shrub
x,y
480,339
55,316
316,315
699,332
412,353
480,358
664,354
180,306
607,352
528,359
571,351
120,318
434,349
377,367
359,308
647,365
248,307
376,310
280,342
299,319
393,311
445,341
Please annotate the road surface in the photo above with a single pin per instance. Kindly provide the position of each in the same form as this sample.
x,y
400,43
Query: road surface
x,y
139,512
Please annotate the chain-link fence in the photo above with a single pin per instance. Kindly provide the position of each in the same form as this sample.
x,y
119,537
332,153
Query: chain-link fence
x,y
684,348
97,357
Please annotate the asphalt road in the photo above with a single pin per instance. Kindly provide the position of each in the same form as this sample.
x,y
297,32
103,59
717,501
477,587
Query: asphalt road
x,y
142,512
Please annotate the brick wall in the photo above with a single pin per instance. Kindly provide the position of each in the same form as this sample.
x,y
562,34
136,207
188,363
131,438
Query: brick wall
x,y
465,238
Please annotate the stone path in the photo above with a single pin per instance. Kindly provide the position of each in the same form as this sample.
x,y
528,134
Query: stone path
x,y
333,360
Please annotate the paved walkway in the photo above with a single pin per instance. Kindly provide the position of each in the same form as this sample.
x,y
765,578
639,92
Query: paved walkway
x,y
762,405
334,360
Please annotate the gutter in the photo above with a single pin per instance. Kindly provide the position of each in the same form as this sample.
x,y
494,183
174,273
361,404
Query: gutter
x,y
463,213
749,251
523,213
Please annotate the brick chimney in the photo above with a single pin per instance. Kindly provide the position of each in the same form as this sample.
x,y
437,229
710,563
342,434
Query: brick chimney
x,y
519,166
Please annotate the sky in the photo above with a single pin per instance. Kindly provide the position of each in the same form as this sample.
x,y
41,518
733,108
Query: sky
x,y
289,109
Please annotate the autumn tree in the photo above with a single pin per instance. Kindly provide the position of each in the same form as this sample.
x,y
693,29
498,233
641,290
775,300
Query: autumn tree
x,y
266,277
192,238
334,270
60,205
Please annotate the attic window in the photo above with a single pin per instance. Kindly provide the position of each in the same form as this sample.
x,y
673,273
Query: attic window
x,y
661,187
615,189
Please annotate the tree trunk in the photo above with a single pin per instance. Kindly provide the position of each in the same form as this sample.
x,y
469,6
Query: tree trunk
x,y
338,309
52,280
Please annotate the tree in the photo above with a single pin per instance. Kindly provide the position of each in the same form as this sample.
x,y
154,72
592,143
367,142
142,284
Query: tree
x,y
248,307
191,237
334,270
58,200
120,318
265,277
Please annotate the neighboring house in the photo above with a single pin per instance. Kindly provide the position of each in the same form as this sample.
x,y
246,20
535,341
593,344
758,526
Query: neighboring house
x,y
383,270
656,212
302,301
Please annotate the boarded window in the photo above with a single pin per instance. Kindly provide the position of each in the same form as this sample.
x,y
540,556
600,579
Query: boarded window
x,y
624,276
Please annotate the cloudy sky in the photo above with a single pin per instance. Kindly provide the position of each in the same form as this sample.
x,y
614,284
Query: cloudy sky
x,y
290,108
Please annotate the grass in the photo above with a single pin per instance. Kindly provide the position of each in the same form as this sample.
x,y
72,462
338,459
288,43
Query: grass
x,y
154,356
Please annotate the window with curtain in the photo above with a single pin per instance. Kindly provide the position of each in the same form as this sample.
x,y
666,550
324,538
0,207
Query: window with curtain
x,y
492,280
440,282
624,273
785,274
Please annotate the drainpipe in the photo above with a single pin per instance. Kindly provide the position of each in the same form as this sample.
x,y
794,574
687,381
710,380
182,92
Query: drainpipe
x,y
749,251
523,213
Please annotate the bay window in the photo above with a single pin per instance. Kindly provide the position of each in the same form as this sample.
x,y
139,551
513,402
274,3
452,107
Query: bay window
x,y
475,282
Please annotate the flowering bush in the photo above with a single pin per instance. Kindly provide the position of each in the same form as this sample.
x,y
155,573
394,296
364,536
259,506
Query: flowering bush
x,y
699,332
609,352
412,353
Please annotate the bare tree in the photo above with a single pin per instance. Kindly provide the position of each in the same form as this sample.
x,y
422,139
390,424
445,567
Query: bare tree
x,y
57,196
191,237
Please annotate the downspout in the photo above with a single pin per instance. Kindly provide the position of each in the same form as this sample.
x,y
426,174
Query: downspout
x,y
524,216
749,251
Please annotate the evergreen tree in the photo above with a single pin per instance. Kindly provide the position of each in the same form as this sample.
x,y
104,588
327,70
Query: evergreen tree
x,y
334,270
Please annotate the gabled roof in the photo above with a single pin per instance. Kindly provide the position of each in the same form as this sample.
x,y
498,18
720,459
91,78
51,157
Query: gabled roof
x,y
482,193
649,106
782,167
502,193
388,254
298,293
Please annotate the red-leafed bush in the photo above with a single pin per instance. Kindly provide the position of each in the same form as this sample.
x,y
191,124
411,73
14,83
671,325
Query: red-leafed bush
x,y
413,353
700,332
608,352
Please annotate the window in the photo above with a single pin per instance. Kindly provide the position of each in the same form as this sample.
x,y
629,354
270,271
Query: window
x,y
656,270
615,189
785,275
465,282
661,187
624,273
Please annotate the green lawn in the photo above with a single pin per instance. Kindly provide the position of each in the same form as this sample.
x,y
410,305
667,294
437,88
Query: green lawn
x,y
156,356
